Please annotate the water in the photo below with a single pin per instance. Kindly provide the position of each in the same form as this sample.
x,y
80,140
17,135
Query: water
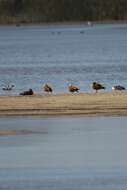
x,y
64,154
59,55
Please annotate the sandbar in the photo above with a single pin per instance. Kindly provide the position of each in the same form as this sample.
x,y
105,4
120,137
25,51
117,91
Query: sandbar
x,y
86,104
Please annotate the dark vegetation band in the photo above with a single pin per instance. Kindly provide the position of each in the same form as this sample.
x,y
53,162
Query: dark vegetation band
x,y
38,11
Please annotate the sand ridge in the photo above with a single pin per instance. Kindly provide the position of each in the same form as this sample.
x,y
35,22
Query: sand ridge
x,y
87,104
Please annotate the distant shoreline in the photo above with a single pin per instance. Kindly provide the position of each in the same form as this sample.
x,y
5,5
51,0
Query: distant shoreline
x,y
85,23
101,104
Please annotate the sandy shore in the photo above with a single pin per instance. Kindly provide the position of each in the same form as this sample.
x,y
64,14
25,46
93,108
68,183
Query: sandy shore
x,y
101,104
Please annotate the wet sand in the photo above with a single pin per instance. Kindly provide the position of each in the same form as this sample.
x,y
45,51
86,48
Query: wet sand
x,y
100,104
13,132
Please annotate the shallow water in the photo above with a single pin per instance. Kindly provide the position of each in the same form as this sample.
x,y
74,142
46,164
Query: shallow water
x,y
59,55
64,154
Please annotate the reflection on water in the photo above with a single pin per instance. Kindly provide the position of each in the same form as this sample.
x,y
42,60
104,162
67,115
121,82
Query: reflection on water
x,y
64,153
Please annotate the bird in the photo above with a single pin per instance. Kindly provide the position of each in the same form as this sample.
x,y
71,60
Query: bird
x,y
27,92
18,24
89,23
118,87
97,86
8,87
47,88
73,89
82,32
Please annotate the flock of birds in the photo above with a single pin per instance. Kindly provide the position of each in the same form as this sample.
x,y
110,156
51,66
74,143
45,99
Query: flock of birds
x,y
95,86
71,88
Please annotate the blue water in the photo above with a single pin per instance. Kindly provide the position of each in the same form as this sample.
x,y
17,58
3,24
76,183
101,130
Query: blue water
x,y
33,55
65,153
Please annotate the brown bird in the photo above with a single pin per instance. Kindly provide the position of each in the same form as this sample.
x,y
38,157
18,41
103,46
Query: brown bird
x,y
96,86
73,89
28,92
47,88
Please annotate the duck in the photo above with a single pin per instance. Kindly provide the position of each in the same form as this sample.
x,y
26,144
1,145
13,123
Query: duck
x,y
97,86
8,87
118,87
27,92
47,88
73,88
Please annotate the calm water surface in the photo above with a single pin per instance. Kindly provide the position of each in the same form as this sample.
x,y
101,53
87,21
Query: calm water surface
x,y
64,154
58,55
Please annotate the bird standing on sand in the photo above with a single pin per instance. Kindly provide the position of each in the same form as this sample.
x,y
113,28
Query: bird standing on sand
x,y
118,87
28,92
97,86
73,89
47,88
